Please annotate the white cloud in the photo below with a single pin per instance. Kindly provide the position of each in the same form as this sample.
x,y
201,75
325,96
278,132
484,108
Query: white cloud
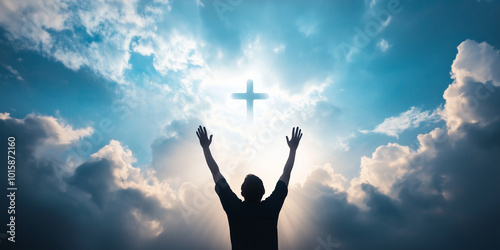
x,y
476,73
412,118
70,59
59,132
148,228
477,60
383,45
325,175
343,141
390,165
279,48
56,131
31,21
145,48
127,176
176,54
14,72
50,139
113,24
59,137
4,116
386,165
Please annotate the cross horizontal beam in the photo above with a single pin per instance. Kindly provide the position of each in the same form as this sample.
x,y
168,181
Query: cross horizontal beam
x,y
250,96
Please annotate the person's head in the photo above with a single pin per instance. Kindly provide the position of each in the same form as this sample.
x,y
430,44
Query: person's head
x,y
252,188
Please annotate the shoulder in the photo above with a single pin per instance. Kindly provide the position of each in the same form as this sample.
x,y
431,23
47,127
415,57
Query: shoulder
x,y
227,197
281,185
221,185
279,192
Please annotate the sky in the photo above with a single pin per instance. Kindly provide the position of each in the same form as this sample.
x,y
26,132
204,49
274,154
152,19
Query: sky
x,y
398,101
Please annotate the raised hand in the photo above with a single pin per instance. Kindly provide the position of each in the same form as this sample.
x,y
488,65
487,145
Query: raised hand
x,y
203,136
296,136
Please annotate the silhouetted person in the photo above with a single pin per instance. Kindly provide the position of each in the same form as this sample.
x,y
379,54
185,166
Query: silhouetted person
x,y
253,224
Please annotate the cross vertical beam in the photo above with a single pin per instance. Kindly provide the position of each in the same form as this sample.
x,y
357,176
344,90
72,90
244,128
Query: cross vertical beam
x,y
249,96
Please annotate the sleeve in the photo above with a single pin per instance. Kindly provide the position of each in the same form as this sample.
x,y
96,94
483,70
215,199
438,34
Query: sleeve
x,y
228,199
277,198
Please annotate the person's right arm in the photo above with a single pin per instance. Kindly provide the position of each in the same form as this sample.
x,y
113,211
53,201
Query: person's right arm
x,y
205,144
293,144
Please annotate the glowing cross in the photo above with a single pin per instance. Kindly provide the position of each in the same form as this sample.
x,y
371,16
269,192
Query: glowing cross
x,y
249,96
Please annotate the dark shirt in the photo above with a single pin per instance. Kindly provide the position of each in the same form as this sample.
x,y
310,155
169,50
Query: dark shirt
x,y
252,225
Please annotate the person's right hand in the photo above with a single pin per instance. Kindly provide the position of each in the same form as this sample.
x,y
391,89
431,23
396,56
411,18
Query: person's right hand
x,y
203,136
296,136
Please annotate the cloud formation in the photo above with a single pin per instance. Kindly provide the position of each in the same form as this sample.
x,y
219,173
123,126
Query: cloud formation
x,y
103,203
441,195
383,45
471,98
412,118
99,35
14,72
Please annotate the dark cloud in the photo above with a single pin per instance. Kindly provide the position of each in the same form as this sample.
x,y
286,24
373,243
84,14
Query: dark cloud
x,y
448,196
450,201
85,210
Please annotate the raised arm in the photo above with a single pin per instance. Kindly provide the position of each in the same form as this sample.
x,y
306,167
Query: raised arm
x,y
293,144
205,144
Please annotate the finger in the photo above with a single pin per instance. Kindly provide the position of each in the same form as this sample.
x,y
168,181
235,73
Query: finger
x,y
287,139
197,134
293,131
300,132
211,137
205,130
300,137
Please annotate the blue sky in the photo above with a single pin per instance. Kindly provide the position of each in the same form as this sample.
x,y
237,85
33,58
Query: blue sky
x,y
369,82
